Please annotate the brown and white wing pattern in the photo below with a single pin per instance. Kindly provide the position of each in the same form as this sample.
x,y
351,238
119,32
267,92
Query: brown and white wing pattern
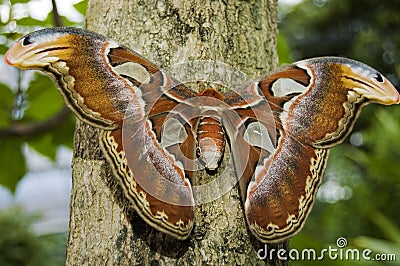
x,y
315,104
99,80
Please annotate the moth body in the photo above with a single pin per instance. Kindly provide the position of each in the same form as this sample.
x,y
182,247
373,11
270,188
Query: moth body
x,y
210,140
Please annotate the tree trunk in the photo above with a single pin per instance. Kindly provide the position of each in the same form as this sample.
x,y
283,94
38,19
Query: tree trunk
x,y
103,228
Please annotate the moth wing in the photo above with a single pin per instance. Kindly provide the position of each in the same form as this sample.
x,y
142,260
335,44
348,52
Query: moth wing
x,y
315,103
284,179
99,79
157,182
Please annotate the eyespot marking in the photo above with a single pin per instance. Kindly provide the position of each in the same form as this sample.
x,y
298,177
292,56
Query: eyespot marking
x,y
378,77
26,41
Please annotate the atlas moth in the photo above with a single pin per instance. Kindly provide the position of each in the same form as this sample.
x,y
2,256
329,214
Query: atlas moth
x,y
156,131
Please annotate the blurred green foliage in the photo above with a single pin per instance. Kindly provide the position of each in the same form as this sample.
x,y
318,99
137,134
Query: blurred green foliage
x,y
28,101
345,28
28,98
363,172
19,245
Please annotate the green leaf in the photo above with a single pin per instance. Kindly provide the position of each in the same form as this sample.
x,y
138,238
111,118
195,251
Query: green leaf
x,y
29,21
390,229
81,7
283,50
44,145
6,103
3,49
67,22
44,99
19,1
64,133
47,143
14,163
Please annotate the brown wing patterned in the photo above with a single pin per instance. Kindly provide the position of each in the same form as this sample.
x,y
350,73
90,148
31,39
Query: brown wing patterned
x,y
280,199
315,104
99,80
174,219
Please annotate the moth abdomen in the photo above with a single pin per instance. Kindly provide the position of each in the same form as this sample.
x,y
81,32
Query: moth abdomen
x,y
210,140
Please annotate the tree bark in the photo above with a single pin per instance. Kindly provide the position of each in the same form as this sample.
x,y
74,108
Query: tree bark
x,y
103,228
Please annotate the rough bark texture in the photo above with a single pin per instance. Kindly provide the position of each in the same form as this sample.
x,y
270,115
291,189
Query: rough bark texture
x,y
103,228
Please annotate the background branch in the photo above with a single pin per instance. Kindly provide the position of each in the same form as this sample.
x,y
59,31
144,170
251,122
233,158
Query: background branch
x,y
56,16
23,129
